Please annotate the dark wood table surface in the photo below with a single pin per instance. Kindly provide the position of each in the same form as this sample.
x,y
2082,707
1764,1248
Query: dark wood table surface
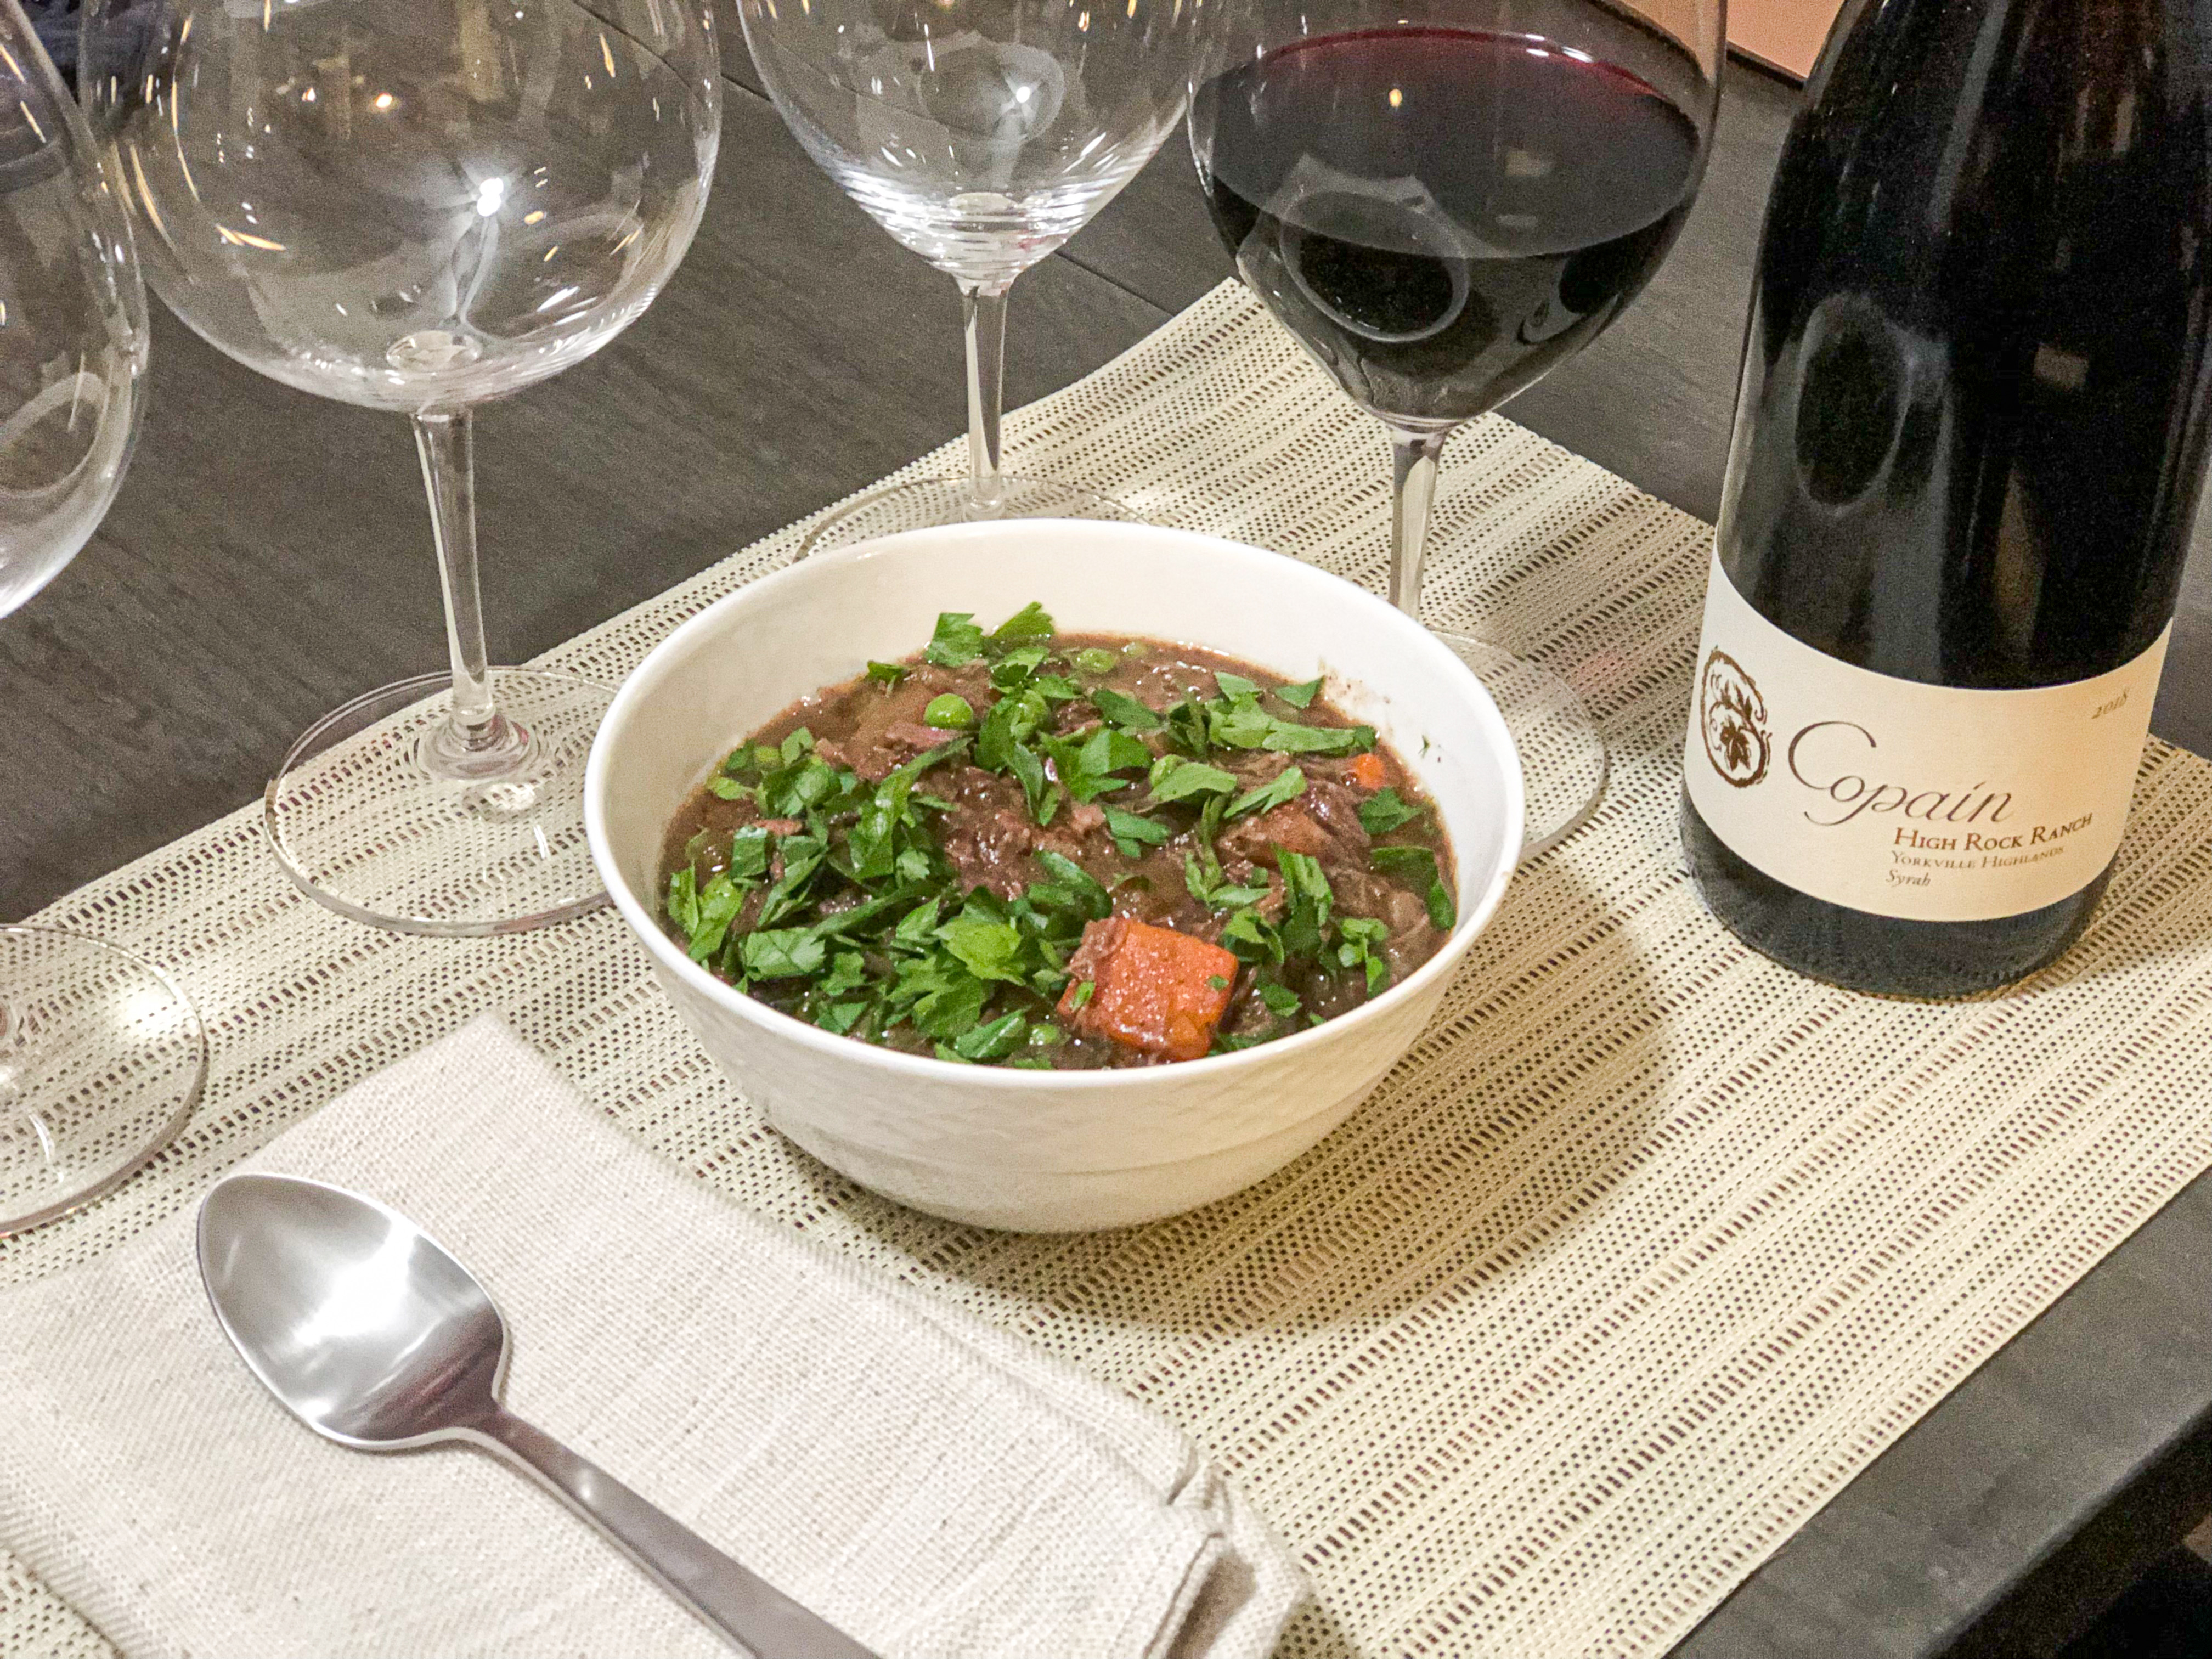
x,y
268,557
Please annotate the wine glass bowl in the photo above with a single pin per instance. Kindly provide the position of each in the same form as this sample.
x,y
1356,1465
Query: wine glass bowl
x,y
419,205
981,135
102,1056
73,338
1441,201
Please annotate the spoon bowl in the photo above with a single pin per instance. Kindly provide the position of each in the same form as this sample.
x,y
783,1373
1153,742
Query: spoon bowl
x,y
369,1332
366,1329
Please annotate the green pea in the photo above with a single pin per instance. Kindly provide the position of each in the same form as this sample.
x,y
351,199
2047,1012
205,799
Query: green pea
x,y
949,714
1093,659
1042,1035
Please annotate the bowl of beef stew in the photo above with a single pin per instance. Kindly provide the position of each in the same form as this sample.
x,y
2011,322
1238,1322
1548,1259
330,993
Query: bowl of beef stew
x,y
1054,875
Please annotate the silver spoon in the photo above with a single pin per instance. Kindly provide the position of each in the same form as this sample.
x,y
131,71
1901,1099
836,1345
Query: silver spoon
x,y
373,1336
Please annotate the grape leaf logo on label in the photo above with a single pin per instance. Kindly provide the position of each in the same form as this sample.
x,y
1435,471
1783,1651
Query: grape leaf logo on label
x,y
1733,717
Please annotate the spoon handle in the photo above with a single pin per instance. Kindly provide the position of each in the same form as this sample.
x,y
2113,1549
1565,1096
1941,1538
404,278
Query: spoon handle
x,y
758,1620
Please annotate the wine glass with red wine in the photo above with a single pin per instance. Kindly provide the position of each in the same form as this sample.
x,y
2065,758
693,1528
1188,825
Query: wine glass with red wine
x,y
1442,200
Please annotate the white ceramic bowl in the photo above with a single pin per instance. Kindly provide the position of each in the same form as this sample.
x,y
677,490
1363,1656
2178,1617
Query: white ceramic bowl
x,y
1046,1150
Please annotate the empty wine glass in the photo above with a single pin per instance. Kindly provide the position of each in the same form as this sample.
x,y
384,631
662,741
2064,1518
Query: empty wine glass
x,y
101,1056
1441,200
418,205
981,134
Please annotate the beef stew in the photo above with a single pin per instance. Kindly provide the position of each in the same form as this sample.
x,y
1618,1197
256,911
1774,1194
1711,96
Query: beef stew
x,y
1057,850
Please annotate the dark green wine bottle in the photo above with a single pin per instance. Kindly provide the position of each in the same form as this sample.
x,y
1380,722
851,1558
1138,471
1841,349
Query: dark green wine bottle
x,y
1968,443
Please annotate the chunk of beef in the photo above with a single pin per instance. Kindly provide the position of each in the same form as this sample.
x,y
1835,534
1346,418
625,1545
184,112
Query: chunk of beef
x,y
1413,939
1337,808
991,840
1321,824
915,738
987,835
1077,831
1289,827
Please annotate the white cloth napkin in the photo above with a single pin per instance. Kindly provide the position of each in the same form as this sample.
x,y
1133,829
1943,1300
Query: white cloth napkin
x,y
928,1483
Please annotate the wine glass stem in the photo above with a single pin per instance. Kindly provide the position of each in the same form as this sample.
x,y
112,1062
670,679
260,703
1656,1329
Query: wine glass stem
x,y
1413,457
475,742
983,315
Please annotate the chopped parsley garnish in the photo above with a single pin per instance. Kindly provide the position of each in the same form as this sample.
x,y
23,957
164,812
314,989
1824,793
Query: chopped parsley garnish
x,y
956,641
1188,729
1175,778
1086,766
1132,833
1016,669
1305,921
1384,811
748,854
1213,891
1285,786
843,899
782,952
1360,940
1028,623
1125,711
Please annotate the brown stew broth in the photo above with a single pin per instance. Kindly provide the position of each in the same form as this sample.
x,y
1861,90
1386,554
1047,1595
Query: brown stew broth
x,y
987,832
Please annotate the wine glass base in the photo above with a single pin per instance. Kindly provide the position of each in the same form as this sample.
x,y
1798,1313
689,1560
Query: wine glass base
x,y
102,1060
929,502
1563,758
367,816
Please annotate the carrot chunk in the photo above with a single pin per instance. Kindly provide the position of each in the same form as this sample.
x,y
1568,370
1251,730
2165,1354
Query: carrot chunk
x,y
1153,988
1367,771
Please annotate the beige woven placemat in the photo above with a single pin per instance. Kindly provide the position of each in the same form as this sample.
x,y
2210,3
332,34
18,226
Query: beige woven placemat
x,y
1643,1252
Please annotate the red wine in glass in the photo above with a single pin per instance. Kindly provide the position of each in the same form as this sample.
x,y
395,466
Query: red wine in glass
x,y
1441,214
1440,204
